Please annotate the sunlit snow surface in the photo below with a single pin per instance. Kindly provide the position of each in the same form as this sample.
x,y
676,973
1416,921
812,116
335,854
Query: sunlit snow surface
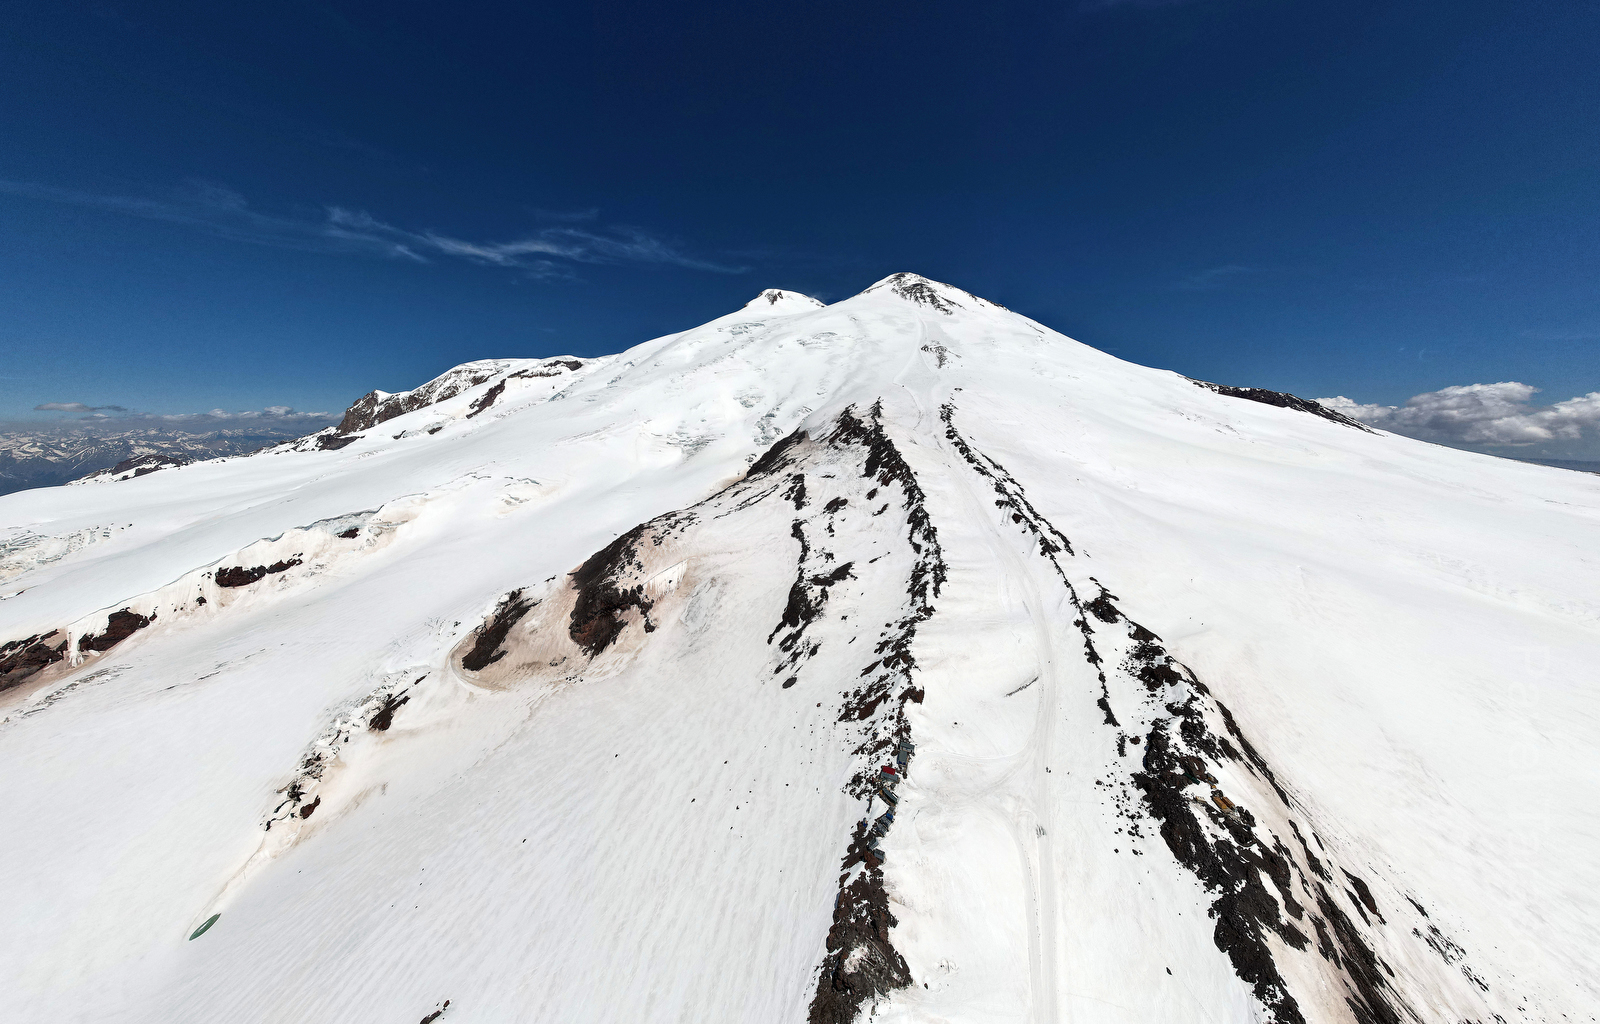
x,y
657,828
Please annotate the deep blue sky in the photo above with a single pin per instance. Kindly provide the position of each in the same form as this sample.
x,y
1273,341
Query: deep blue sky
x,y
1368,199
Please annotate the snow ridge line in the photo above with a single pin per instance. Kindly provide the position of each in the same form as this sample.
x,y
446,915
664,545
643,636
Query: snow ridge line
x,y
1186,735
197,593
861,964
373,713
1283,400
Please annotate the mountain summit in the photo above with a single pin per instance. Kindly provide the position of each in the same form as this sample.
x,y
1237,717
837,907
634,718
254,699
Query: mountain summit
x,y
898,659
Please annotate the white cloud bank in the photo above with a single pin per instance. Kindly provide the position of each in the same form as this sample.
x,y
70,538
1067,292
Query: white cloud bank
x,y
278,413
1486,414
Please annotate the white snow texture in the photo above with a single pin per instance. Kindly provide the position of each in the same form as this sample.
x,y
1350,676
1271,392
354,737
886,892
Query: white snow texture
x,y
898,659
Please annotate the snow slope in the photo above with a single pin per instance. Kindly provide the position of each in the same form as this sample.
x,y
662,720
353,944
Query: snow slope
x,y
562,690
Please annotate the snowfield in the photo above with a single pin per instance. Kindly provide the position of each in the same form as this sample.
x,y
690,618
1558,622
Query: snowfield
x,y
898,659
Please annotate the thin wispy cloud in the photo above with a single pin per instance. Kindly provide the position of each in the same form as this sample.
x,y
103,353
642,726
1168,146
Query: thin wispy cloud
x,y
543,254
76,407
1214,278
1487,414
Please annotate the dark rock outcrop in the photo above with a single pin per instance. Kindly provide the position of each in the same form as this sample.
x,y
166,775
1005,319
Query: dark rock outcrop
x,y
119,626
240,576
21,659
486,651
375,407
1283,400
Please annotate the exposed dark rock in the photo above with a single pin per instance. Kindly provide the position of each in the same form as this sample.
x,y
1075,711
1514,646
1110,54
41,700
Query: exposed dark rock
x,y
1104,704
918,289
1311,858
240,576
143,465
796,491
1102,608
1151,665
1012,499
1283,400
308,809
21,659
554,368
776,457
1363,893
487,399
362,414
1233,862
119,626
886,465
860,962
1221,843
385,717
1441,943
1244,910
486,651
370,409
597,614
806,596
333,442
1370,998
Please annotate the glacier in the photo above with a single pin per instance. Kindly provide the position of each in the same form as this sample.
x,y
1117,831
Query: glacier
x,y
898,659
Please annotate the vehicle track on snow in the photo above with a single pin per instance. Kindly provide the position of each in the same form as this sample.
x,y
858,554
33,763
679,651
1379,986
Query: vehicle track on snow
x,y
1032,826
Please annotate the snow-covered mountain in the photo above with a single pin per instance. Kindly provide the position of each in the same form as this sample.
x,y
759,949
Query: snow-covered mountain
x,y
898,659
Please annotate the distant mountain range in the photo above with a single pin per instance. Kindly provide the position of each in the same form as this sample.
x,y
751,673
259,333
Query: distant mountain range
x,y
42,458
47,458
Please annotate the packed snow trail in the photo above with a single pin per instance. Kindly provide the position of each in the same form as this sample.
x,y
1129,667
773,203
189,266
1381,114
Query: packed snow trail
x,y
560,689
1031,824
